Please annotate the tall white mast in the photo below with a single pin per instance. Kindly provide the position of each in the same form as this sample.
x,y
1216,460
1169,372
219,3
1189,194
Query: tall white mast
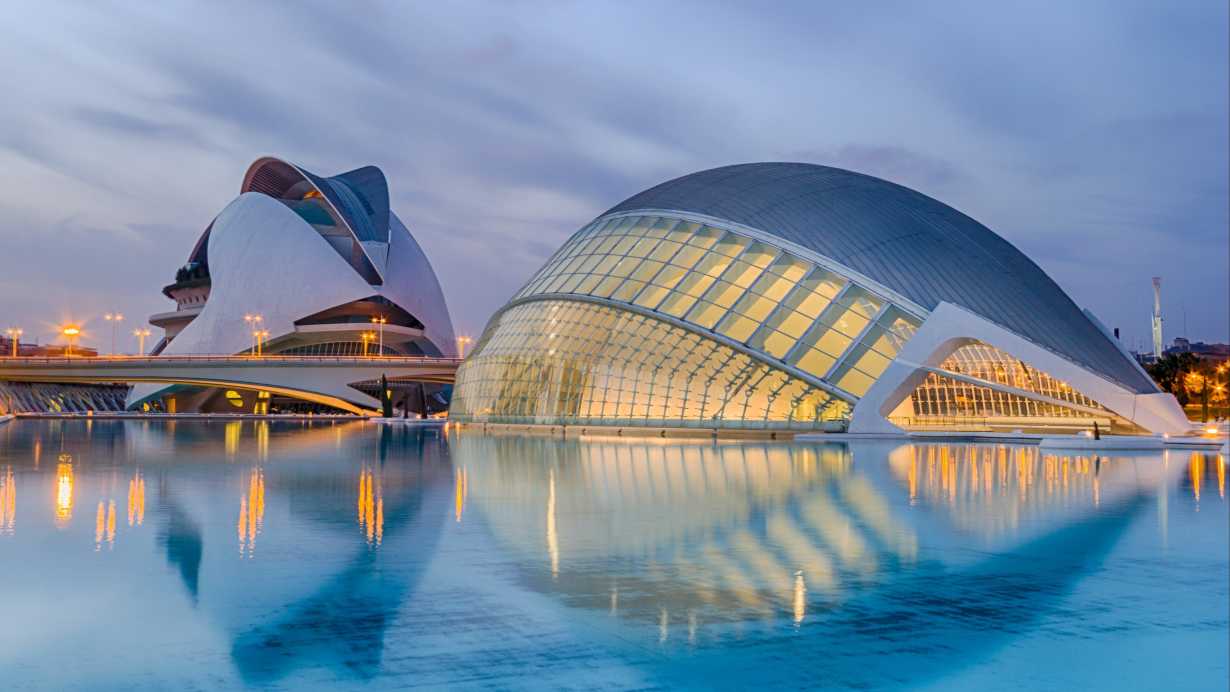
x,y
1157,317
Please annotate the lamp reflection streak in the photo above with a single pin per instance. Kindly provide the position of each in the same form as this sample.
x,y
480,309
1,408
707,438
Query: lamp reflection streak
x,y
64,494
552,537
8,502
371,507
136,499
251,513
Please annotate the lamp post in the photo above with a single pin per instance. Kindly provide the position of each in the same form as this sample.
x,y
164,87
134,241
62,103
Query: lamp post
x,y
461,345
14,334
380,320
70,332
367,338
259,336
140,334
254,323
114,318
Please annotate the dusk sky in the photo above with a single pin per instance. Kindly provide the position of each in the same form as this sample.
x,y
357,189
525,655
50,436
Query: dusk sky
x,y
1092,135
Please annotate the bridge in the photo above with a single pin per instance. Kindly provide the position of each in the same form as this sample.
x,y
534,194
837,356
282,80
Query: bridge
x,y
327,380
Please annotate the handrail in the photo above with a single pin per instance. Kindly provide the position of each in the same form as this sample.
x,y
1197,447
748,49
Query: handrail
x,y
265,359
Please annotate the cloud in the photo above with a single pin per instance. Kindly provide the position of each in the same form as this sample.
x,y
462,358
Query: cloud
x,y
1089,135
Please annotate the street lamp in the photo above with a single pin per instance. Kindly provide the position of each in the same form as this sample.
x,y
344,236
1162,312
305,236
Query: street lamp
x,y
70,332
114,318
14,335
367,339
461,345
380,320
259,336
140,334
254,323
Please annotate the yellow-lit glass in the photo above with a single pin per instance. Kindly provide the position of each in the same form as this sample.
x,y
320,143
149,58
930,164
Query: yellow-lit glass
x,y
569,362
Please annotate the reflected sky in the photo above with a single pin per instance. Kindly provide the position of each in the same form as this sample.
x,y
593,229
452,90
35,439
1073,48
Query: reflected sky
x,y
334,554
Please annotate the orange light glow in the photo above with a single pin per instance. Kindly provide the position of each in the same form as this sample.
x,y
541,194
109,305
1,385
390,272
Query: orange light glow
x,y
251,513
371,507
64,493
8,502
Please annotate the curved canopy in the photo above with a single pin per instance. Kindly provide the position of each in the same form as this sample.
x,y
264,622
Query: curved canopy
x,y
915,245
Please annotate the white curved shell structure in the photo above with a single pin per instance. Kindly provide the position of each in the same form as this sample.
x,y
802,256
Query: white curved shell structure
x,y
304,265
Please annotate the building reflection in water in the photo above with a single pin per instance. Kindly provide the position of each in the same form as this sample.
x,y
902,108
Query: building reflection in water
x,y
371,507
8,502
992,489
251,513
683,531
691,530
64,491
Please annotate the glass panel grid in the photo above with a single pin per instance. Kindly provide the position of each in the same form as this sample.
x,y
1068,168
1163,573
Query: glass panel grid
x,y
743,289
564,362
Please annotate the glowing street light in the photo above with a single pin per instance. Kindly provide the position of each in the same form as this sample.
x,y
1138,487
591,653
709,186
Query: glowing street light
x,y
114,318
367,338
254,323
259,336
14,334
380,320
70,332
140,334
462,341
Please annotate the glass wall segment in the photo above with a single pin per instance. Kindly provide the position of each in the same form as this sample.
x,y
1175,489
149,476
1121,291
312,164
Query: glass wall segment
x,y
993,365
942,401
566,362
743,289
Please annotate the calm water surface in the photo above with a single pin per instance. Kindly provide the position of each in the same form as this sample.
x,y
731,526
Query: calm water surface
x,y
203,555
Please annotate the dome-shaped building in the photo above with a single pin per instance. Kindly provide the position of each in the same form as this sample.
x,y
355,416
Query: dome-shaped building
x,y
786,296
314,259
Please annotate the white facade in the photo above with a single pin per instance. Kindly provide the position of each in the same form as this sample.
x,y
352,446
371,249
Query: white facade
x,y
289,256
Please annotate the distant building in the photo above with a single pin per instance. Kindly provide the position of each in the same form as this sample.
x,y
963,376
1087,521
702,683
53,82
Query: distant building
x,y
26,349
307,261
1200,349
782,296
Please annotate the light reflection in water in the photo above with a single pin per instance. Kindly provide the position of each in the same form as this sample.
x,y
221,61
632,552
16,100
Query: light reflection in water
x,y
552,537
371,507
64,491
8,502
991,488
680,530
1195,470
136,499
231,438
251,513
460,489
868,558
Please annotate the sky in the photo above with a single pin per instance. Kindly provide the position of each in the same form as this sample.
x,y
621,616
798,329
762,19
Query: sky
x,y
1091,135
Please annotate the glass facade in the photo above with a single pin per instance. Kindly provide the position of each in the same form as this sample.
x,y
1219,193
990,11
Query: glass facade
x,y
940,397
776,303
945,401
993,365
571,362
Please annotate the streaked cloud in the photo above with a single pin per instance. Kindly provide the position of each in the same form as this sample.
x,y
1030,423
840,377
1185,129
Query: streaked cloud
x,y
1091,135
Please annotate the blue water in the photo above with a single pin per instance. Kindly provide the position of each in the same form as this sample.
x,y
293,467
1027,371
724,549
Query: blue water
x,y
175,555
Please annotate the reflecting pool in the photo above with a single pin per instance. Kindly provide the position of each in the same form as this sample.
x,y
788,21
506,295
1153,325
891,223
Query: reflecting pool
x,y
298,555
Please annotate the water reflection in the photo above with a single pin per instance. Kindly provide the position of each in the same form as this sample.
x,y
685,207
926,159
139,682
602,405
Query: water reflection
x,y
8,501
64,491
404,556
251,513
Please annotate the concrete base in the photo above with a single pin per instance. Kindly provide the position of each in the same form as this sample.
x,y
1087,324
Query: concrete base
x,y
6,418
1106,444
